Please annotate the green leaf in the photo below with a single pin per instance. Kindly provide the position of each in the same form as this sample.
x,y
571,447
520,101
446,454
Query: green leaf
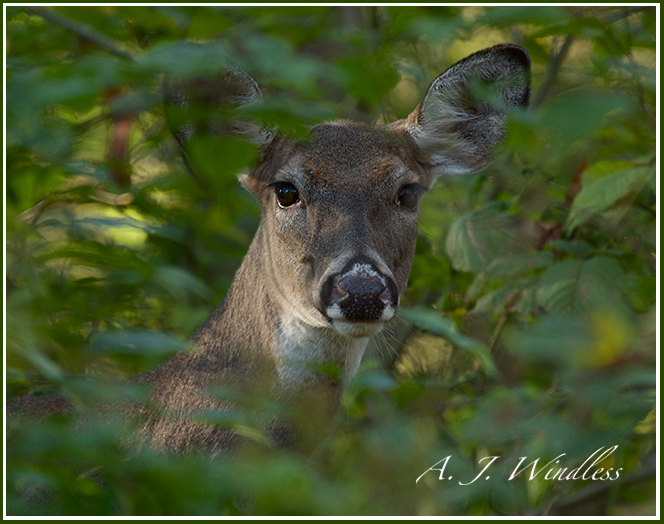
x,y
600,285
374,380
600,195
642,289
525,15
235,420
273,58
513,297
579,286
184,59
574,27
518,264
479,237
366,78
579,114
577,248
136,342
435,29
558,339
219,160
432,321
557,288
178,282
95,254
43,363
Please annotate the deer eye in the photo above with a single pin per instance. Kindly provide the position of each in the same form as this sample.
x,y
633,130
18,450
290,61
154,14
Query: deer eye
x,y
408,196
287,194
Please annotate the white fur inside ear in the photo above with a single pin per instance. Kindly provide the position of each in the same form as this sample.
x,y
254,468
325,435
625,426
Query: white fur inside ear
x,y
243,178
457,131
447,151
454,139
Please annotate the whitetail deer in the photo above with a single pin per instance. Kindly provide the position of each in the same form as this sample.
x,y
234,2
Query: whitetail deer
x,y
334,248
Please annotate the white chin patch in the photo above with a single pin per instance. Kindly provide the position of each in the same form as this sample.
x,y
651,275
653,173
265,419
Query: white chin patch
x,y
388,313
357,329
348,328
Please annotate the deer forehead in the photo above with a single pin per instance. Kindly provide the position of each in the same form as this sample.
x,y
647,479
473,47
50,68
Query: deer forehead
x,y
351,155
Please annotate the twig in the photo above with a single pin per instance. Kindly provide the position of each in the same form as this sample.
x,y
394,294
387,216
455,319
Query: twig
x,y
552,71
80,29
84,126
624,13
557,60
496,332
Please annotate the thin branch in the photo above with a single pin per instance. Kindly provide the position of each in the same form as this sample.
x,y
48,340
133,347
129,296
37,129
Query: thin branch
x,y
552,71
84,126
556,62
496,332
83,30
624,13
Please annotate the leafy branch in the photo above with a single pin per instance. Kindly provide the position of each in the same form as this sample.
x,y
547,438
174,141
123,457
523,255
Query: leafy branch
x,y
82,30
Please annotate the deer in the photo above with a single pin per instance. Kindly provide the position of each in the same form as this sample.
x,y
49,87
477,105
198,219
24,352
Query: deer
x,y
332,254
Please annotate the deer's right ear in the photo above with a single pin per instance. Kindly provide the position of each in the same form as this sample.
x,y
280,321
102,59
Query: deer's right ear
x,y
464,113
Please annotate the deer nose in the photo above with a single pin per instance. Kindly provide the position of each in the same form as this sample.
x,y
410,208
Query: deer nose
x,y
362,288
360,292
361,297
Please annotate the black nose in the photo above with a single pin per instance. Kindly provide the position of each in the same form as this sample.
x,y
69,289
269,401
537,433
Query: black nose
x,y
362,302
362,288
360,292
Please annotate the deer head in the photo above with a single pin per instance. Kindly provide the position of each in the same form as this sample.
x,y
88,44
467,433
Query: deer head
x,y
340,209
335,245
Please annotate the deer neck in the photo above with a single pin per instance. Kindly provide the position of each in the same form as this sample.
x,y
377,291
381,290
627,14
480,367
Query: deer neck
x,y
259,321
301,351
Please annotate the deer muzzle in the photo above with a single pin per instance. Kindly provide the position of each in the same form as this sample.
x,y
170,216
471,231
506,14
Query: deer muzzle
x,y
359,299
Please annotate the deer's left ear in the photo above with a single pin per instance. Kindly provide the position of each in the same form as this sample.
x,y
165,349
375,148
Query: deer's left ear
x,y
205,105
464,113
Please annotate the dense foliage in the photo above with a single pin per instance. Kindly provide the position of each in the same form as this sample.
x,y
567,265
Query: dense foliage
x,y
529,326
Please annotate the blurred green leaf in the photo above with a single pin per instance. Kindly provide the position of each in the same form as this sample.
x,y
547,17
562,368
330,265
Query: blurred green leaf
x,y
233,420
434,322
580,113
558,339
184,59
135,342
515,297
605,192
477,238
367,79
518,264
178,281
579,249
218,160
579,286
